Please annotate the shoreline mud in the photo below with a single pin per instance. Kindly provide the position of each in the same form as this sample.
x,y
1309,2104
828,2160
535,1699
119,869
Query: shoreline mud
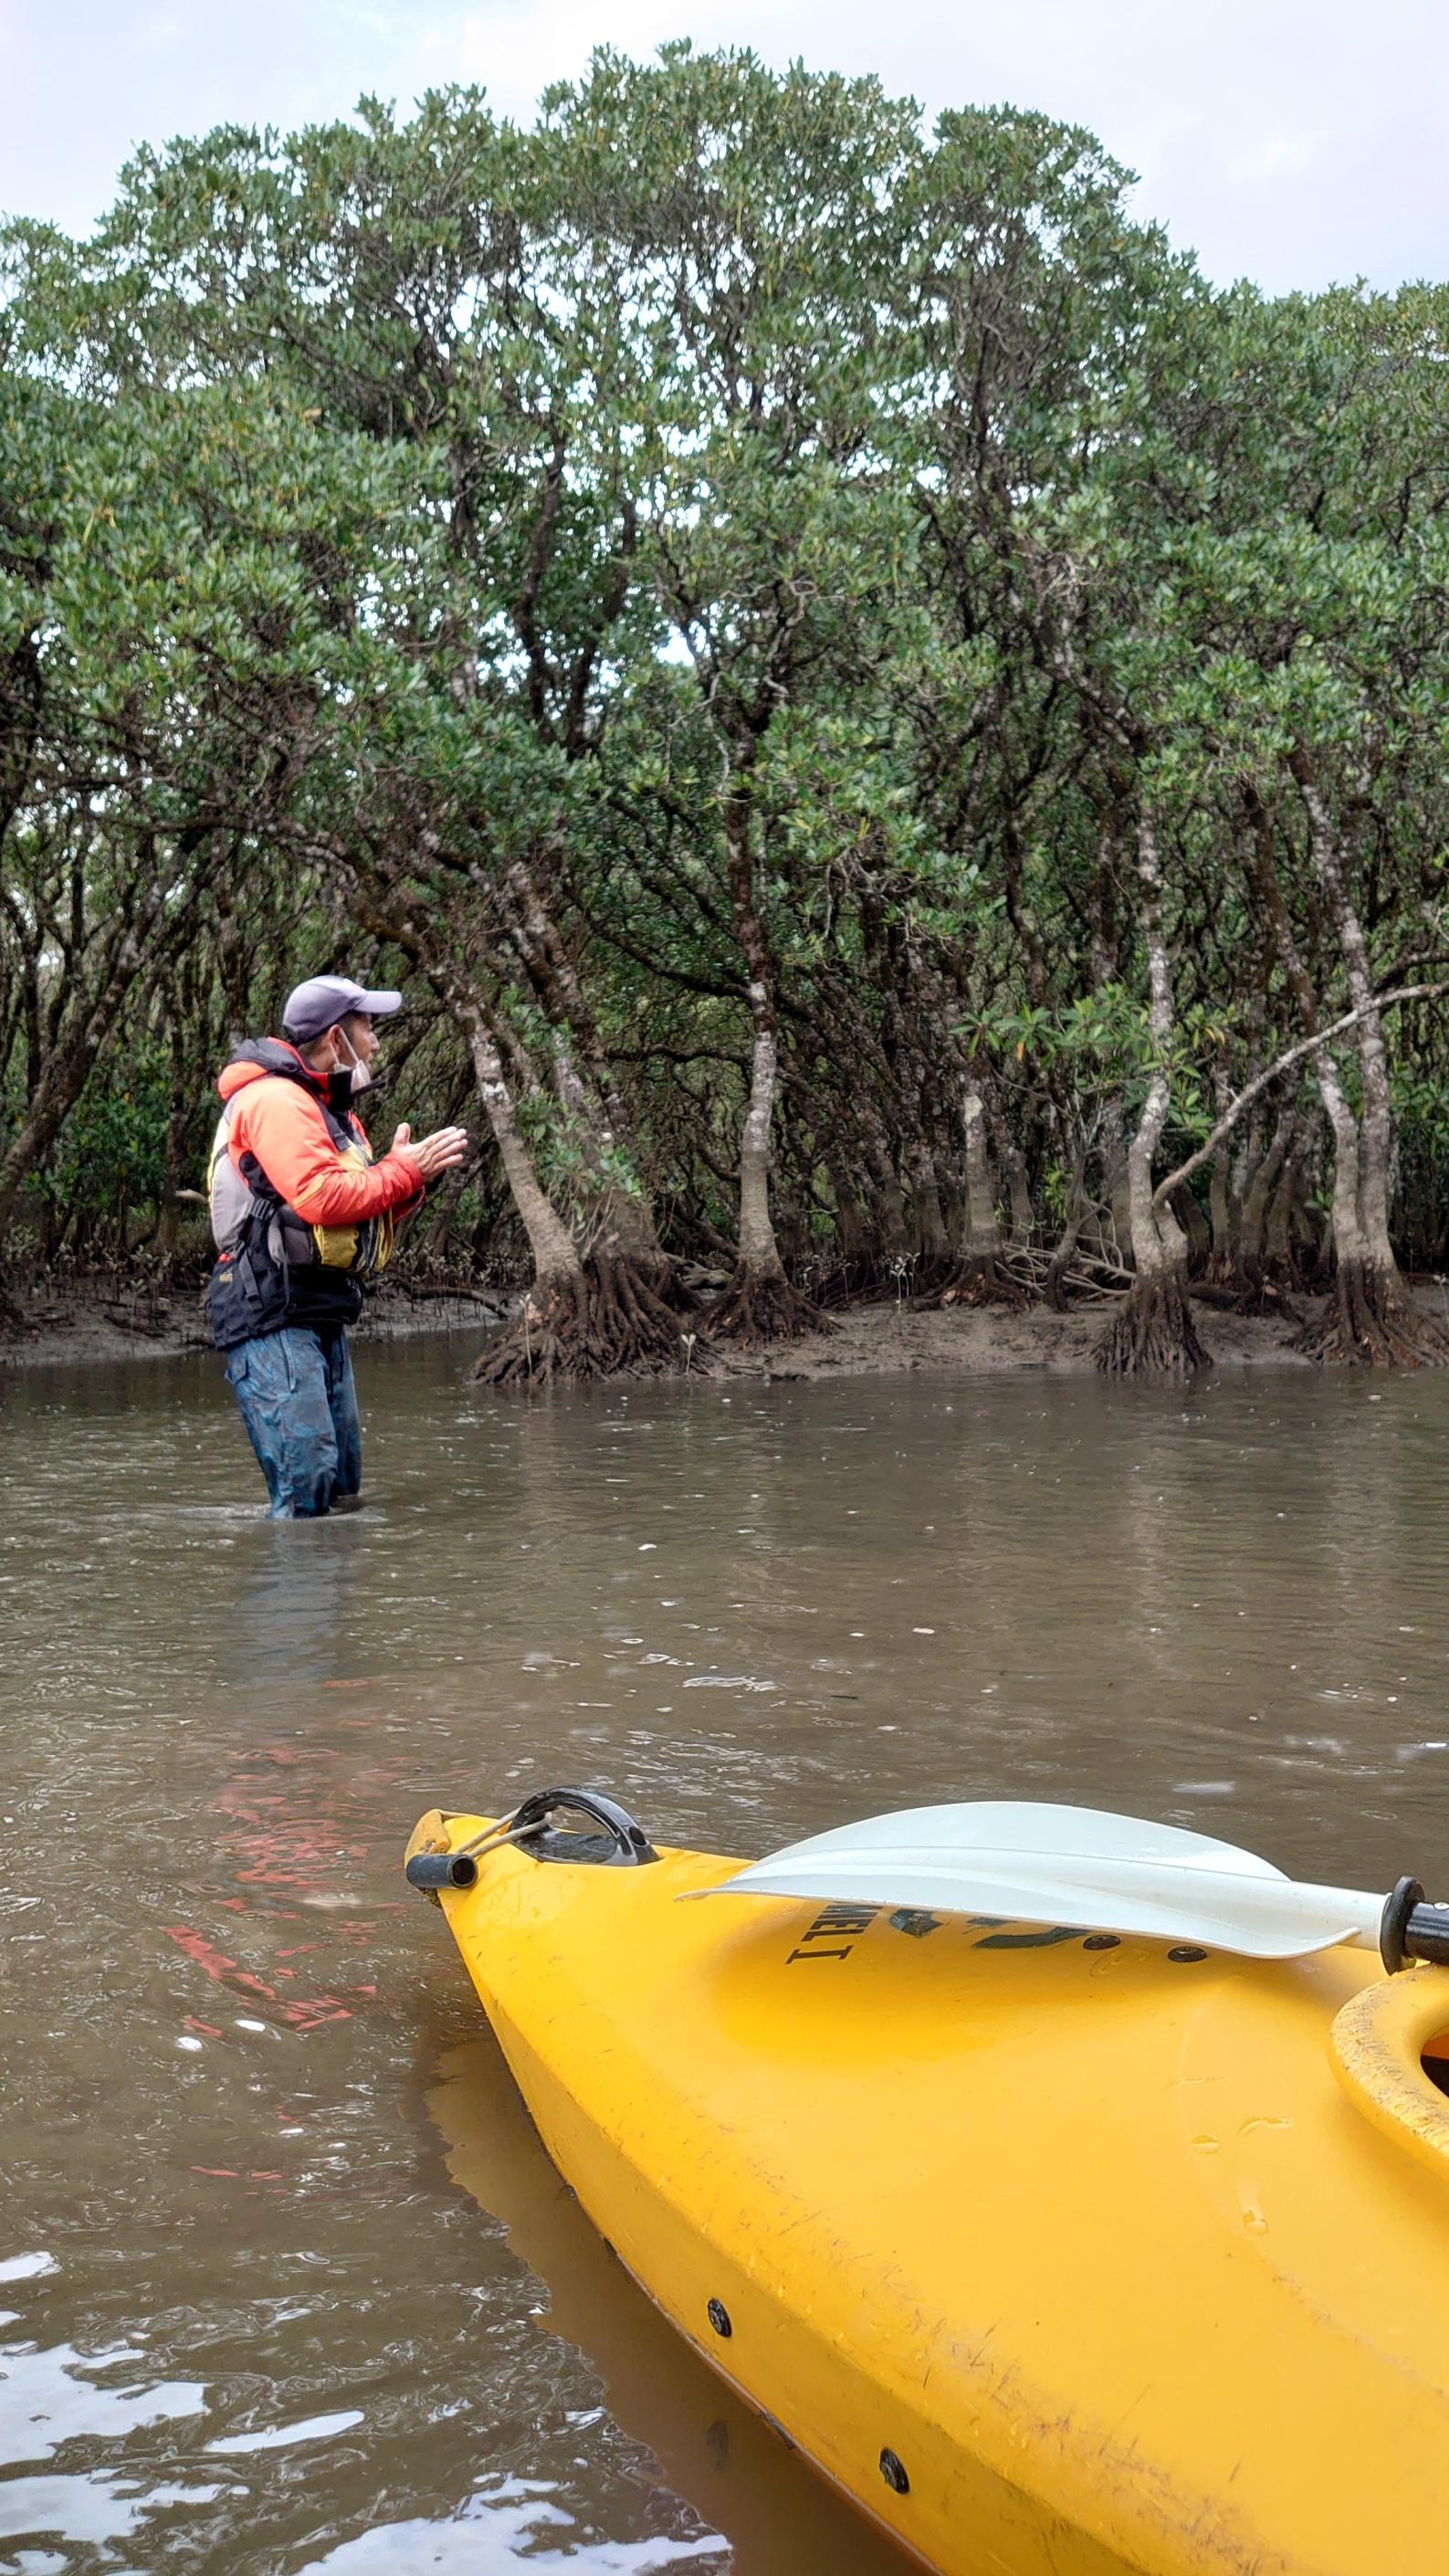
x,y
984,1341
95,1323
89,1325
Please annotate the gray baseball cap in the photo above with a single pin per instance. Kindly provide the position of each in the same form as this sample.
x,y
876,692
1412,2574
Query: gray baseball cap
x,y
316,1006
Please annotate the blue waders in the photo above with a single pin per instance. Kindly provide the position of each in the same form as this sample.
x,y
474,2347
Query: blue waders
x,y
296,1396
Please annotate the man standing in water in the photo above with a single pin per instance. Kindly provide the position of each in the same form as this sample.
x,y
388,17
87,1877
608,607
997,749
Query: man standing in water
x,y
303,1218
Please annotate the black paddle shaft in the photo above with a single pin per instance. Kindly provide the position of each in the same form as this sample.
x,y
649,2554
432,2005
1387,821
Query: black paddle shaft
x,y
1411,1929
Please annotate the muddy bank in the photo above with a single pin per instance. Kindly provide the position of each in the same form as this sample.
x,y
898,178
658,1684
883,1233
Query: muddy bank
x,y
872,1340
108,1323
100,1320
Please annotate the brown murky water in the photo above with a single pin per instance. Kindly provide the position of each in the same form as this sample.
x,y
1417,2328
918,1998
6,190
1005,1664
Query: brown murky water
x,y
285,2283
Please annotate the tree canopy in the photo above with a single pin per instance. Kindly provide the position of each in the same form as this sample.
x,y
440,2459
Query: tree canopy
x,y
867,707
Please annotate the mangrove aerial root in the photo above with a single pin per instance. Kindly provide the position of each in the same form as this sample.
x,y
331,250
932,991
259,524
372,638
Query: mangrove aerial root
x,y
1371,1321
607,1321
1245,1291
763,1307
1265,1297
923,1282
979,1280
1152,1333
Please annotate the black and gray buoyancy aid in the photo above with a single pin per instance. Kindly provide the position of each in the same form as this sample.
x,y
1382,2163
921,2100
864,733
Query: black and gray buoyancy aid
x,y
272,1267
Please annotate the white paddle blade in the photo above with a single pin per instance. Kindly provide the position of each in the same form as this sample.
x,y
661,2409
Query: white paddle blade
x,y
1065,1865
1051,1833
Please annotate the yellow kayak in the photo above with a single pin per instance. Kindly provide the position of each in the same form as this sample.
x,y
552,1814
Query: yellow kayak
x,y
711,2446
1059,2254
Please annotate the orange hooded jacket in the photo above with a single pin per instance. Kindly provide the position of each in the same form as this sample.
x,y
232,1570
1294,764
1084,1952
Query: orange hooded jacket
x,y
283,1126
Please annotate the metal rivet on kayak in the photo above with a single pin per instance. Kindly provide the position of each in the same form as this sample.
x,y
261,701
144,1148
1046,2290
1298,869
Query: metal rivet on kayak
x,y
719,2317
1101,1941
1186,1953
894,2474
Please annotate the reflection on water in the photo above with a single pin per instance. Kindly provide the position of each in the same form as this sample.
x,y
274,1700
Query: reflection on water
x,y
507,2520
275,2224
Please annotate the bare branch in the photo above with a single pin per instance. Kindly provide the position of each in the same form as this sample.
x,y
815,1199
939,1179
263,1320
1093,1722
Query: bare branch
x,y
1306,1046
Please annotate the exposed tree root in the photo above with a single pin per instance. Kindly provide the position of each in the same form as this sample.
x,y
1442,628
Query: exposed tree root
x,y
757,1308
924,1282
853,1283
609,1321
1261,1295
1246,1290
1288,1276
979,1280
1371,1321
1152,1333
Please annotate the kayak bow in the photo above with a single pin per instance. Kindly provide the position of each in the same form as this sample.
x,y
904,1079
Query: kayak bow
x,y
1061,2253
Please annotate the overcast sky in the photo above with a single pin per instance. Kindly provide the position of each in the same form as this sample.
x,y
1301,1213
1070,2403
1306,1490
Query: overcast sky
x,y
1291,141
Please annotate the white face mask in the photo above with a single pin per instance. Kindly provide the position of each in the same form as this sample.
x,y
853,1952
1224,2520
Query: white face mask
x,y
361,1078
